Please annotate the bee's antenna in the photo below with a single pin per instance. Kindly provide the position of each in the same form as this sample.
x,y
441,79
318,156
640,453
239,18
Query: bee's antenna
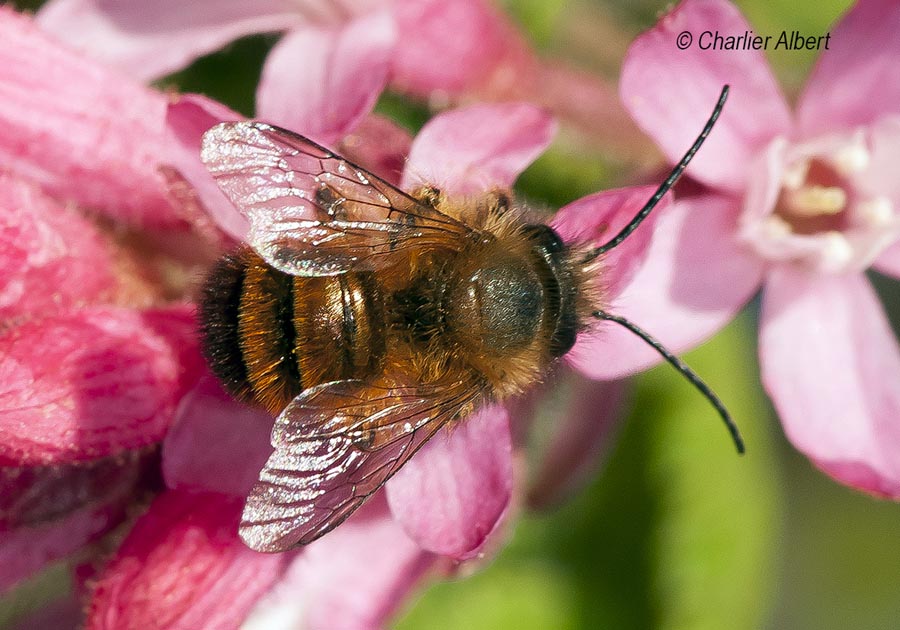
x,y
687,372
665,186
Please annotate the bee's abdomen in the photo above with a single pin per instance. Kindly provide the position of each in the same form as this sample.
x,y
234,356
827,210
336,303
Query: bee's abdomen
x,y
269,335
220,338
340,325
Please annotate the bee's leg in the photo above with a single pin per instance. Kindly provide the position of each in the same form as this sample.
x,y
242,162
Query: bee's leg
x,y
429,195
498,201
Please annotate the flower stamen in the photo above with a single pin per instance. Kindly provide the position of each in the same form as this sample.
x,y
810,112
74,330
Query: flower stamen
x,y
814,198
837,251
795,175
775,228
815,201
876,212
853,158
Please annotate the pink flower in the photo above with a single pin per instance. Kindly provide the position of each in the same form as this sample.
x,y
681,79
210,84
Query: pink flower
x,y
94,363
801,204
103,389
422,46
441,51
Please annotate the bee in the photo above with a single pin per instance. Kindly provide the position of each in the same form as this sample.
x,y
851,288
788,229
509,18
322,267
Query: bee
x,y
367,318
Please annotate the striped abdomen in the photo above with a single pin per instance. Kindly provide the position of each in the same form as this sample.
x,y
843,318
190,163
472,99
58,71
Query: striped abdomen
x,y
269,335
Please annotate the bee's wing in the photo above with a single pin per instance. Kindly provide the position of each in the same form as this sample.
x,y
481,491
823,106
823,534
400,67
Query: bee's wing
x,y
312,212
335,445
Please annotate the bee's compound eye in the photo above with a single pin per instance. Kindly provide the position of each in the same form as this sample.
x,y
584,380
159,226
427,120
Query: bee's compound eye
x,y
545,238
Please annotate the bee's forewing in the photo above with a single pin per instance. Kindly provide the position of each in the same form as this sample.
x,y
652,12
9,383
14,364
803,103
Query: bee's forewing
x,y
312,212
335,445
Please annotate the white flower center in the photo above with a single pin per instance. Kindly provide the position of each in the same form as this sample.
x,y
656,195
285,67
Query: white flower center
x,y
819,216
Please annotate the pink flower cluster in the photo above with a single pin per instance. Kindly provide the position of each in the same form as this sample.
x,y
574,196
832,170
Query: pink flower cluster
x,y
108,416
109,419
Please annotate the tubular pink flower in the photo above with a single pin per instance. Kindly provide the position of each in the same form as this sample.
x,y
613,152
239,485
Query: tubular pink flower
x,y
91,383
94,363
48,512
182,566
344,72
149,41
801,206
453,47
355,577
477,148
43,244
448,47
81,133
443,52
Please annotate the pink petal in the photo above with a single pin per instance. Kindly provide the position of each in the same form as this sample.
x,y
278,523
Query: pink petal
x,y
855,80
889,261
594,220
696,277
84,133
92,383
150,40
356,577
879,177
343,73
25,551
452,46
187,119
831,364
584,415
379,145
49,512
216,444
38,495
51,258
879,180
477,148
182,566
451,495
671,93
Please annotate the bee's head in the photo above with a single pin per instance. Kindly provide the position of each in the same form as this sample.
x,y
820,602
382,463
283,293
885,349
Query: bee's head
x,y
559,284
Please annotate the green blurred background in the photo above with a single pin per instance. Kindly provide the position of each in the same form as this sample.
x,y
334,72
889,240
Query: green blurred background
x,y
674,531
